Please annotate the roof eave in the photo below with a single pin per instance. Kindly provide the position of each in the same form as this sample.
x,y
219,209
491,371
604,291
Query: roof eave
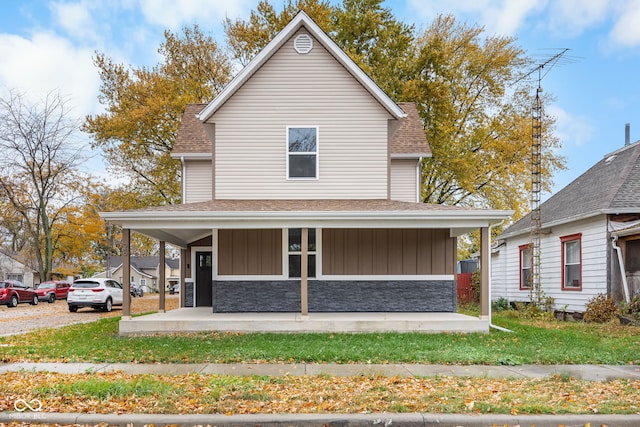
x,y
551,224
448,218
191,156
401,156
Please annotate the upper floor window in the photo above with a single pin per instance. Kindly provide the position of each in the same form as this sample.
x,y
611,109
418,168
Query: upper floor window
x,y
526,261
572,262
302,152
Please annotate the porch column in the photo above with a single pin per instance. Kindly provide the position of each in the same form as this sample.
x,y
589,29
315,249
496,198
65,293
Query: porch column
x,y
126,273
183,275
304,303
485,253
161,278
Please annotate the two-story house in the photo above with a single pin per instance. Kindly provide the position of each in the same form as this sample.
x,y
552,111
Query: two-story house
x,y
301,194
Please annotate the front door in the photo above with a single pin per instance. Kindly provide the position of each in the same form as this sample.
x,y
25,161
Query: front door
x,y
204,295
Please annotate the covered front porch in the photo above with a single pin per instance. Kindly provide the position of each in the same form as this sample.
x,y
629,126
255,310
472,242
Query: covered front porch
x,y
200,319
378,265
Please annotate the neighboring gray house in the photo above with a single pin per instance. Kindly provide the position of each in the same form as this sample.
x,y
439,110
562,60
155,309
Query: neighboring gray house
x,y
301,194
145,271
12,269
590,241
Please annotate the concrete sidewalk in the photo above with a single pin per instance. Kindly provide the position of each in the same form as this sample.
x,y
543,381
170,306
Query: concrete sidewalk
x,y
324,420
584,372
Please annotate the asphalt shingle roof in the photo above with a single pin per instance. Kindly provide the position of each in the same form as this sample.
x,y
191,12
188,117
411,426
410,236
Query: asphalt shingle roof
x,y
307,205
611,184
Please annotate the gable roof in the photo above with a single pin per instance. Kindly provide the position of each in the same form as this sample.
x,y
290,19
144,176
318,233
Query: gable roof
x,y
301,20
409,140
611,186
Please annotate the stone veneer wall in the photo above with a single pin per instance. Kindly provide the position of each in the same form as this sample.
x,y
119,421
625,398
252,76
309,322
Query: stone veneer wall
x,y
335,296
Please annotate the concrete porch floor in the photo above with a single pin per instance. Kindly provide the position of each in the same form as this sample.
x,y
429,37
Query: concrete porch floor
x,y
201,319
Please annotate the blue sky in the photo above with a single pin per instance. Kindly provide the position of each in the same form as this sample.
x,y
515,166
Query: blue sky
x,y
49,45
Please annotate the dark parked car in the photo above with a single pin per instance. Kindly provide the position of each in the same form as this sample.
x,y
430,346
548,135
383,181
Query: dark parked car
x,y
174,289
13,292
52,290
136,290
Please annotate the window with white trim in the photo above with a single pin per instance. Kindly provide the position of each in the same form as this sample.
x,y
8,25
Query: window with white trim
x,y
572,262
295,253
15,276
526,259
302,152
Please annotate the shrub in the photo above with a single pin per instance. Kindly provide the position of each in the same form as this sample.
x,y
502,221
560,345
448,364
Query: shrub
x,y
475,287
600,309
501,304
633,306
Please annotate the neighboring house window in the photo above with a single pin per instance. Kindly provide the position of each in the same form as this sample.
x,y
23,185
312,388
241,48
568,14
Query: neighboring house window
x,y
295,253
14,276
302,152
526,258
572,262
632,256
143,282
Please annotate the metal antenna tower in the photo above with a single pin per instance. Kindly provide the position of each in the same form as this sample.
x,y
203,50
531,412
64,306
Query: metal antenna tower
x,y
537,113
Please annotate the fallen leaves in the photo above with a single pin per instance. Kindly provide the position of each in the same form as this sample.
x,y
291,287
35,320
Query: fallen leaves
x,y
197,393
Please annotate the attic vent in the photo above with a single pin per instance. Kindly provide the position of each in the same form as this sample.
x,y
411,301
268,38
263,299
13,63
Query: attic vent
x,y
303,43
610,159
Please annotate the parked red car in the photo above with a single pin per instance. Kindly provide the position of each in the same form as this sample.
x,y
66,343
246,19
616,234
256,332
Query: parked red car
x,y
52,290
13,292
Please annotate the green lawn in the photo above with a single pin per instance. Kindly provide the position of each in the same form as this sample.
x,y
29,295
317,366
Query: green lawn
x,y
532,342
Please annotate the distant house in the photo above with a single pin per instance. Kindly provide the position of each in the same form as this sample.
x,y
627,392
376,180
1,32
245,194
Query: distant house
x,y
301,194
590,240
145,271
12,269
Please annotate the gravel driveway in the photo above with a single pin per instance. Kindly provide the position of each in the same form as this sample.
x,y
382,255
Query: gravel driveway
x,y
25,317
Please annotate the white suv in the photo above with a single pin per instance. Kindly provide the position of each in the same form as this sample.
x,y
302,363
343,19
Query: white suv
x,y
98,293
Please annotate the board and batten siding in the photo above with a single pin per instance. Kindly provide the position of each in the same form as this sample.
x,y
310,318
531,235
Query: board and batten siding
x,y
404,180
388,252
249,252
594,265
293,89
197,180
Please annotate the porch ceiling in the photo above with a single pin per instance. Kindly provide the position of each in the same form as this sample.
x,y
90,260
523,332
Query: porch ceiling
x,y
182,224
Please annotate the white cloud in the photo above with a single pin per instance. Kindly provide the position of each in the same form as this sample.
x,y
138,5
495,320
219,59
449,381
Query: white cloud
x,y
76,19
570,18
499,17
572,130
46,63
626,30
173,14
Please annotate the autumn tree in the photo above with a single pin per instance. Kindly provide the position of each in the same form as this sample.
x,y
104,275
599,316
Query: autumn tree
x,y
39,178
477,115
246,38
375,40
144,107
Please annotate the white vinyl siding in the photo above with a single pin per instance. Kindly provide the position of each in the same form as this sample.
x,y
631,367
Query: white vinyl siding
x,y
298,90
198,180
404,180
594,265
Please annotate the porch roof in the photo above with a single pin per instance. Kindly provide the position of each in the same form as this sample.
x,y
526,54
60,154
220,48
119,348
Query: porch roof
x,y
185,223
